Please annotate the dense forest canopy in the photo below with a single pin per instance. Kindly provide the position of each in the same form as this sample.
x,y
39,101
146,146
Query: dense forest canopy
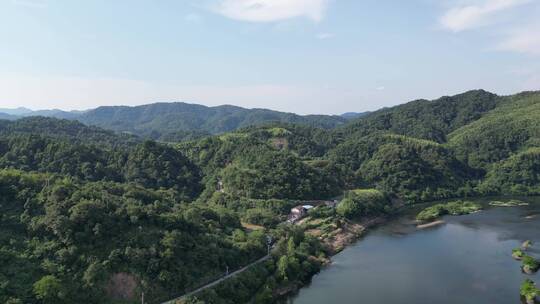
x,y
510,128
65,130
426,119
82,234
84,208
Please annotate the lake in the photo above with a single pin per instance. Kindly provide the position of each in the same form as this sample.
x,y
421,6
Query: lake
x,y
466,260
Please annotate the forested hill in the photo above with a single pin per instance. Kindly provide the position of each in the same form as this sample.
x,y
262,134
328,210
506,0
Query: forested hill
x,y
173,121
64,129
427,119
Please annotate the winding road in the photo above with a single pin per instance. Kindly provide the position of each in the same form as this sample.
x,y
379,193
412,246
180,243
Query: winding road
x,y
216,282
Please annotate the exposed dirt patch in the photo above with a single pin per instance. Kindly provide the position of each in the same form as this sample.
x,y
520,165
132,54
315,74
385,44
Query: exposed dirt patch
x,y
122,286
343,236
314,232
280,143
252,226
348,232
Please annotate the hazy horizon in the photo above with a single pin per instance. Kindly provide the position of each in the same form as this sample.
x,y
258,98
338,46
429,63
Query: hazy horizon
x,y
250,108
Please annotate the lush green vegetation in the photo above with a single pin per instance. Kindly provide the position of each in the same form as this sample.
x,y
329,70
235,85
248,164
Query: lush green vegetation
x,y
295,258
79,236
530,264
148,164
363,202
517,253
516,175
266,174
425,119
529,291
451,208
508,129
82,209
417,170
66,130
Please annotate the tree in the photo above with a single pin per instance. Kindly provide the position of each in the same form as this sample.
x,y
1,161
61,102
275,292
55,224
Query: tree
x,y
49,289
363,202
291,246
282,266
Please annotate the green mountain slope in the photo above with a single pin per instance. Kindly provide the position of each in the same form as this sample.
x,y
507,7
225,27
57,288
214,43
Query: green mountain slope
x,y
426,119
92,154
414,169
510,128
64,129
516,175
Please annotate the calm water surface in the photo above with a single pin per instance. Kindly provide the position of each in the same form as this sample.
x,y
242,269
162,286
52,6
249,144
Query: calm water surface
x,y
467,260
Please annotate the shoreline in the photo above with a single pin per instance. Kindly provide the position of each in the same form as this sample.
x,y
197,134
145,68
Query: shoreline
x,y
350,233
353,231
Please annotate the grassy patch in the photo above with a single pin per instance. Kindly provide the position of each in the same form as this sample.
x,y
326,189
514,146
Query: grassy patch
x,y
279,132
452,208
252,226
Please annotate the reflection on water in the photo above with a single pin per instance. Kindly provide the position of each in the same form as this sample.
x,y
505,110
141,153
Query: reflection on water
x,y
466,260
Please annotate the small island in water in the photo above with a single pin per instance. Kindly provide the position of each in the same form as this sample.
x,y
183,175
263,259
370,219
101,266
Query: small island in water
x,y
518,254
529,264
452,208
529,291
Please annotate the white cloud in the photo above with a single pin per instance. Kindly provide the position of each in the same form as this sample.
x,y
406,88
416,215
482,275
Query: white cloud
x,y
271,10
465,17
514,30
523,40
324,36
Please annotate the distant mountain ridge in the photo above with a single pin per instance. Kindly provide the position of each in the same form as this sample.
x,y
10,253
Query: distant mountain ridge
x,y
353,115
21,112
16,112
158,119
177,120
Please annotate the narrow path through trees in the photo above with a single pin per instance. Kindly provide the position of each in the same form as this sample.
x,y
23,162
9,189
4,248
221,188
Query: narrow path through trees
x,y
216,282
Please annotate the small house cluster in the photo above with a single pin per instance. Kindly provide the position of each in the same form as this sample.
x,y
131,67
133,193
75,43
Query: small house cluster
x,y
298,212
301,211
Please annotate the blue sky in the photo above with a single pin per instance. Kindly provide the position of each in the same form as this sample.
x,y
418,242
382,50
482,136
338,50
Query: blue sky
x,y
303,56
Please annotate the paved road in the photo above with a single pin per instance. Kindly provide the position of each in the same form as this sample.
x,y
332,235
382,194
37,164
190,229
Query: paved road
x,y
216,282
